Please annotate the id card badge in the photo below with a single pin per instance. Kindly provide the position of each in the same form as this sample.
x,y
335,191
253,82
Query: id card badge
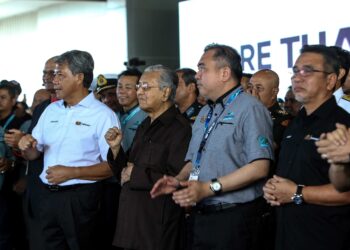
x,y
194,175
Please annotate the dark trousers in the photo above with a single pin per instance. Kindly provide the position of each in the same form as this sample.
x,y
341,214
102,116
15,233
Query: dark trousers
x,y
69,218
108,215
31,207
5,222
236,228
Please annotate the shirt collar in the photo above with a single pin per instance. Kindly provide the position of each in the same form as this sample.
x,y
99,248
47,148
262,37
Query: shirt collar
x,y
130,110
221,99
322,111
166,118
338,94
85,102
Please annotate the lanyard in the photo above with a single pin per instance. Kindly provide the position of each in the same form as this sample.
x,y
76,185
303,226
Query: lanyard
x,y
209,129
8,121
131,115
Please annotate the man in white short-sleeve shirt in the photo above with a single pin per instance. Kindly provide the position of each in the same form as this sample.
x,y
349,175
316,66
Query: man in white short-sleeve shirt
x,y
70,134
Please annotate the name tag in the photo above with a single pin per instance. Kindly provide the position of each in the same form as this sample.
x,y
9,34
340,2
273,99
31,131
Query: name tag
x,y
194,175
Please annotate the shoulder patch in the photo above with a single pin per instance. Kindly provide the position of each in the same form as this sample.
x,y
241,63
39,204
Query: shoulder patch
x,y
346,97
263,142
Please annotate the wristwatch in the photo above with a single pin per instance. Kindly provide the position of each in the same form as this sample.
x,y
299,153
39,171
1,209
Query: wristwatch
x,y
297,198
215,186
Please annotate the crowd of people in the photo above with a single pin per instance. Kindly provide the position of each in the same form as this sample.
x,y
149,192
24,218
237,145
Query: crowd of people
x,y
178,159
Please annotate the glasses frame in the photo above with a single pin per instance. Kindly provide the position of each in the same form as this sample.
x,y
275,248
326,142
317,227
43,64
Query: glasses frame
x,y
307,71
145,86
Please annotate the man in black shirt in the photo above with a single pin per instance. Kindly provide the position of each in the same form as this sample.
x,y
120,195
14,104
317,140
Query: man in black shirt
x,y
311,214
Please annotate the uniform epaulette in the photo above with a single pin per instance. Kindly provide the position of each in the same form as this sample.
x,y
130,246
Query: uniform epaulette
x,y
282,112
346,97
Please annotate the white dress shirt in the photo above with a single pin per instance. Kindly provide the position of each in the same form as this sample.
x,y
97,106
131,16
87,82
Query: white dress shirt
x,y
74,136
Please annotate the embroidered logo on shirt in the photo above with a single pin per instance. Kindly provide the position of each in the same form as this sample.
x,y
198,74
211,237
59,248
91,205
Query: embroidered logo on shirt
x,y
53,121
81,123
263,142
228,117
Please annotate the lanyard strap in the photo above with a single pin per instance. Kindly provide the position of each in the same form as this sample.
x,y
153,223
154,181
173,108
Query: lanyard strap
x,y
209,129
131,115
8,121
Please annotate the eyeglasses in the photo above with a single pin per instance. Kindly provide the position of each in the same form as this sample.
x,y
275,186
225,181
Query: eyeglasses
x,y
307,71
144,86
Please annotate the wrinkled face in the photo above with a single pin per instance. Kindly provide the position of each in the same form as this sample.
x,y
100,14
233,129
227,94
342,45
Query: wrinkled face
x,y
151,98
65,83
311,82
6,102
109,97
291,105
48,75
126,91
208,76
182,91
262,87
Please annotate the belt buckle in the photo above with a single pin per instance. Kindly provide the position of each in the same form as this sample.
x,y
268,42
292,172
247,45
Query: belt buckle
x,y
54,188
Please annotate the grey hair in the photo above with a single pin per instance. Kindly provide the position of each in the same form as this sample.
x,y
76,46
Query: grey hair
x,y
79,62
167,79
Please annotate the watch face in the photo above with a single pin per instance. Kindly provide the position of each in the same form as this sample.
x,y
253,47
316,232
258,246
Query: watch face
x,y
216,186
298,199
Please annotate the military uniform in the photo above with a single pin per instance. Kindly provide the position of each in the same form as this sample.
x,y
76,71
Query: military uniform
x,y
192,112
280,120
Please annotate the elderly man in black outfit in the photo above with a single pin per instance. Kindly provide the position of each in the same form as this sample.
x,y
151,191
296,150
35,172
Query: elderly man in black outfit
x,y
158,149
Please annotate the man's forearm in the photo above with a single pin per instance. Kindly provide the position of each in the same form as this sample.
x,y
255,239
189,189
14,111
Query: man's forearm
x,y
325,195
95,172
246,175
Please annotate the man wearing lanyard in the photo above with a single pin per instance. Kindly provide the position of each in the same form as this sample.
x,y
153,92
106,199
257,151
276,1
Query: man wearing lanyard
x,y
127,97
228,158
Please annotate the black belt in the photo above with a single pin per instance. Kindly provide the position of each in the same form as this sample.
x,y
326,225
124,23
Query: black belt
x,y
206,209
58,188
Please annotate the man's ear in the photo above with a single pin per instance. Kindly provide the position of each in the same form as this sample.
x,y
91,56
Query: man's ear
x,y
225,73
166,94
331,81
192,87
80,78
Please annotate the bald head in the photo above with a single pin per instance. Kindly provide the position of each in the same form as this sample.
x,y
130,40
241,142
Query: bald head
x,y
264,86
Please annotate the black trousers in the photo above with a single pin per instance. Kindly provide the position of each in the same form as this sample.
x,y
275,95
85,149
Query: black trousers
x,y
31,208
236,228
5,222
68,218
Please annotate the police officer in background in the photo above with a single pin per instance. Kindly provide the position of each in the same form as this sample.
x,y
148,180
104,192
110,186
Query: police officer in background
x,y
187,93
106,91
264,86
